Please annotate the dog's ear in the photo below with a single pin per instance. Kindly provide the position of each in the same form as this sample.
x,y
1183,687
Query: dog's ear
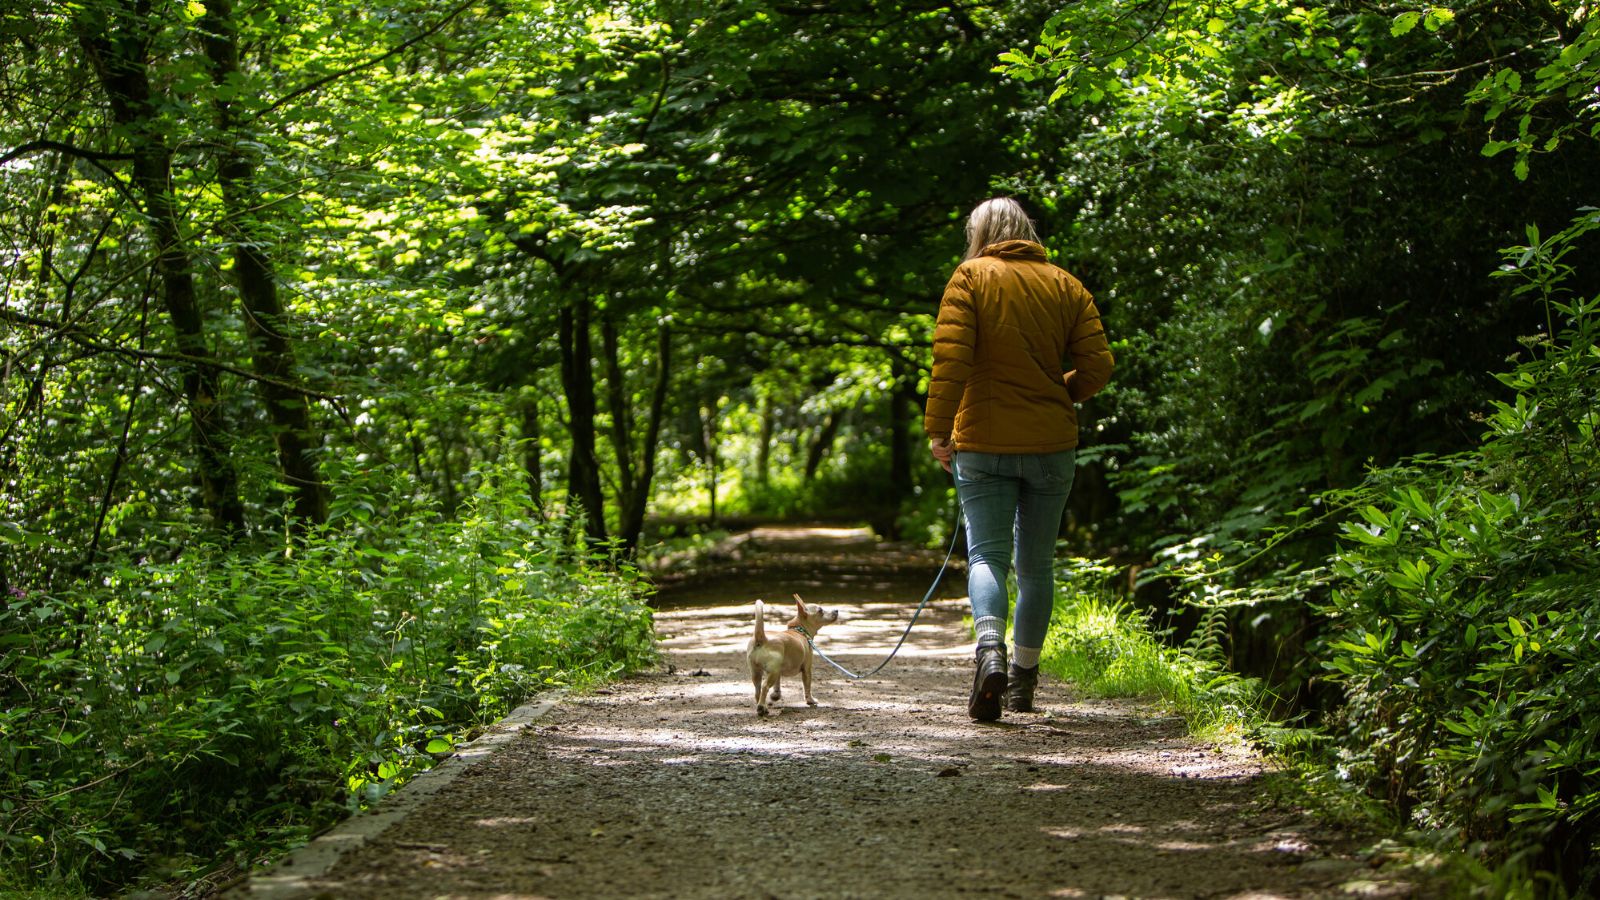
x,y
799,604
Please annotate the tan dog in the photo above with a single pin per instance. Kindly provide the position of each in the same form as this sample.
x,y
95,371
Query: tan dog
x,y
785,653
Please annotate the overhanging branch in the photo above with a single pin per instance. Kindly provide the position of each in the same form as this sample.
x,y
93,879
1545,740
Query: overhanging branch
x,y
351,70
59,147
77,336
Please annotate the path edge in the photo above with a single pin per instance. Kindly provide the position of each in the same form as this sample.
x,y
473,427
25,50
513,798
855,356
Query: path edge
x,y
295,872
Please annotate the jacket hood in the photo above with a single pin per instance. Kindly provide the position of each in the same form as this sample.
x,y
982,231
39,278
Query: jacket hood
x,y
1015,250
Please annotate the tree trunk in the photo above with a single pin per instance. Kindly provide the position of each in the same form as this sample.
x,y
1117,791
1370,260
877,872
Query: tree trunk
x,y
449,486
764,446
117,54
903,402
577,381
273,355
709,415
621,410
822,442
902,398
637,502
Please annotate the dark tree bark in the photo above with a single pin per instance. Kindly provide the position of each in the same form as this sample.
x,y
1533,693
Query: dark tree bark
x,y
621,408
902,400
635,475
577,381
822,442
764,447
116,49
449,482
273,356
710,418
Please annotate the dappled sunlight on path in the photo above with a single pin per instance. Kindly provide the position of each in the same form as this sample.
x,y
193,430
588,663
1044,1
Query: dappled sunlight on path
x,y
669,785
865,633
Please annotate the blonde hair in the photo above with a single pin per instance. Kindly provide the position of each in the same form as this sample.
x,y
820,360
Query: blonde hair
x,y
995,220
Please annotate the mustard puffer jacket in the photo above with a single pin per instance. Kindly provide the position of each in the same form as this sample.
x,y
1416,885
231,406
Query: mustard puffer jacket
x,y
1018,342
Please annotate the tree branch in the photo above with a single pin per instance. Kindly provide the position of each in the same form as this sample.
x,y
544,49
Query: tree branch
x,y
350,70
73,334
59,147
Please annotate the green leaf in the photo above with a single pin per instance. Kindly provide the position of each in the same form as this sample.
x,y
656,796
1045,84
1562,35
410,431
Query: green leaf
x,y
1404,23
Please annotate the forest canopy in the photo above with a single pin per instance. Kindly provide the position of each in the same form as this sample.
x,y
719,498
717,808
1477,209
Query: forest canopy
x,y
351,355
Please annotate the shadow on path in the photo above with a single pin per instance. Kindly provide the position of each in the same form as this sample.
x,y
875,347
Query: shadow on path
x,y
668,785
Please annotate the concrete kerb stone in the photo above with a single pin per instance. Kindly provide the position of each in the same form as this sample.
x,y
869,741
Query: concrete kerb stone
x,y
294,873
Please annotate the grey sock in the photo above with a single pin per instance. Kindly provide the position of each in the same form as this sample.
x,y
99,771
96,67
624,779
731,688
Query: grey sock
x,y
989,629
1025,657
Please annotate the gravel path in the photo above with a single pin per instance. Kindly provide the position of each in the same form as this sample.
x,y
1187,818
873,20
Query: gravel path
x,y
668,785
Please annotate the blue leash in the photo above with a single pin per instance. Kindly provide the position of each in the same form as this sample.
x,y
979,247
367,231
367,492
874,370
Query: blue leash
x,y
954,536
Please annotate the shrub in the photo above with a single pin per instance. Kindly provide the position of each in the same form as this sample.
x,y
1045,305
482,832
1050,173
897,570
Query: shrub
x,y
175,712
1464,618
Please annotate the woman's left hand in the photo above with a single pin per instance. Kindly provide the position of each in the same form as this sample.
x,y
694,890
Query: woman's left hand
x,y
942,451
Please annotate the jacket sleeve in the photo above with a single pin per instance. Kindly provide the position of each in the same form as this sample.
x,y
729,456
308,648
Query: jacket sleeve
x,y
953,339
1092,361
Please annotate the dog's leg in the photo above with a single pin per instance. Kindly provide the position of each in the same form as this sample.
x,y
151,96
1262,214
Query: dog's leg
x,y
805,677
755,679
772,692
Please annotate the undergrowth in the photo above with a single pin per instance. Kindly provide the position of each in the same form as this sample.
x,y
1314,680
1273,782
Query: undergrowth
x,y
198,705
1107,648
1455,616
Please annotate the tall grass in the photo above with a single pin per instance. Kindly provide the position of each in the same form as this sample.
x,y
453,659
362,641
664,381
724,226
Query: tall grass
x,y
1107,648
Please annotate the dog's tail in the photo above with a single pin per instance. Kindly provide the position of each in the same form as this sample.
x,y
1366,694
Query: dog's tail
x,y
761,621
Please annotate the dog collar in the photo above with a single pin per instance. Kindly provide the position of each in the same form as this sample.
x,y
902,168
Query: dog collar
x,y
802,630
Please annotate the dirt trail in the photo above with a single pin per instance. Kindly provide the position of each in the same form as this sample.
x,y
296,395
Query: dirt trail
x,y
668,785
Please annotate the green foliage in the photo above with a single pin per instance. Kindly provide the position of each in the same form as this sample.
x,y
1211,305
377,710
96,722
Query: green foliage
x,y
1107,648
1547,98
1255,195
1463,617
184,705
1285,213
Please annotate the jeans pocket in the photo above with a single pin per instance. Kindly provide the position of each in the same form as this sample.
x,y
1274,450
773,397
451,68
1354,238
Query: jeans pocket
x,y
1059,468
974,468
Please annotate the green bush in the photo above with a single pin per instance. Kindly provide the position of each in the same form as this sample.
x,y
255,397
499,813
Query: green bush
x,y
1465,614
173,713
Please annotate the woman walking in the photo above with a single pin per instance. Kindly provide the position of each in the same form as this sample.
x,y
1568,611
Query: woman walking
x,y
1018,342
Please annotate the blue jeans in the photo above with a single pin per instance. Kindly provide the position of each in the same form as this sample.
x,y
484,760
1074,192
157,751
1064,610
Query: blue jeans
x,y
1014,500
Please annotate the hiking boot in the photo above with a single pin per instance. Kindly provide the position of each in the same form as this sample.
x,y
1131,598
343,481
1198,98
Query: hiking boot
x,y
988,683
1019,689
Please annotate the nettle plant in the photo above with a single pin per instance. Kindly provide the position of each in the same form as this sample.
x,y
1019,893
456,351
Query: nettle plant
x,y
1464,620
223,699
